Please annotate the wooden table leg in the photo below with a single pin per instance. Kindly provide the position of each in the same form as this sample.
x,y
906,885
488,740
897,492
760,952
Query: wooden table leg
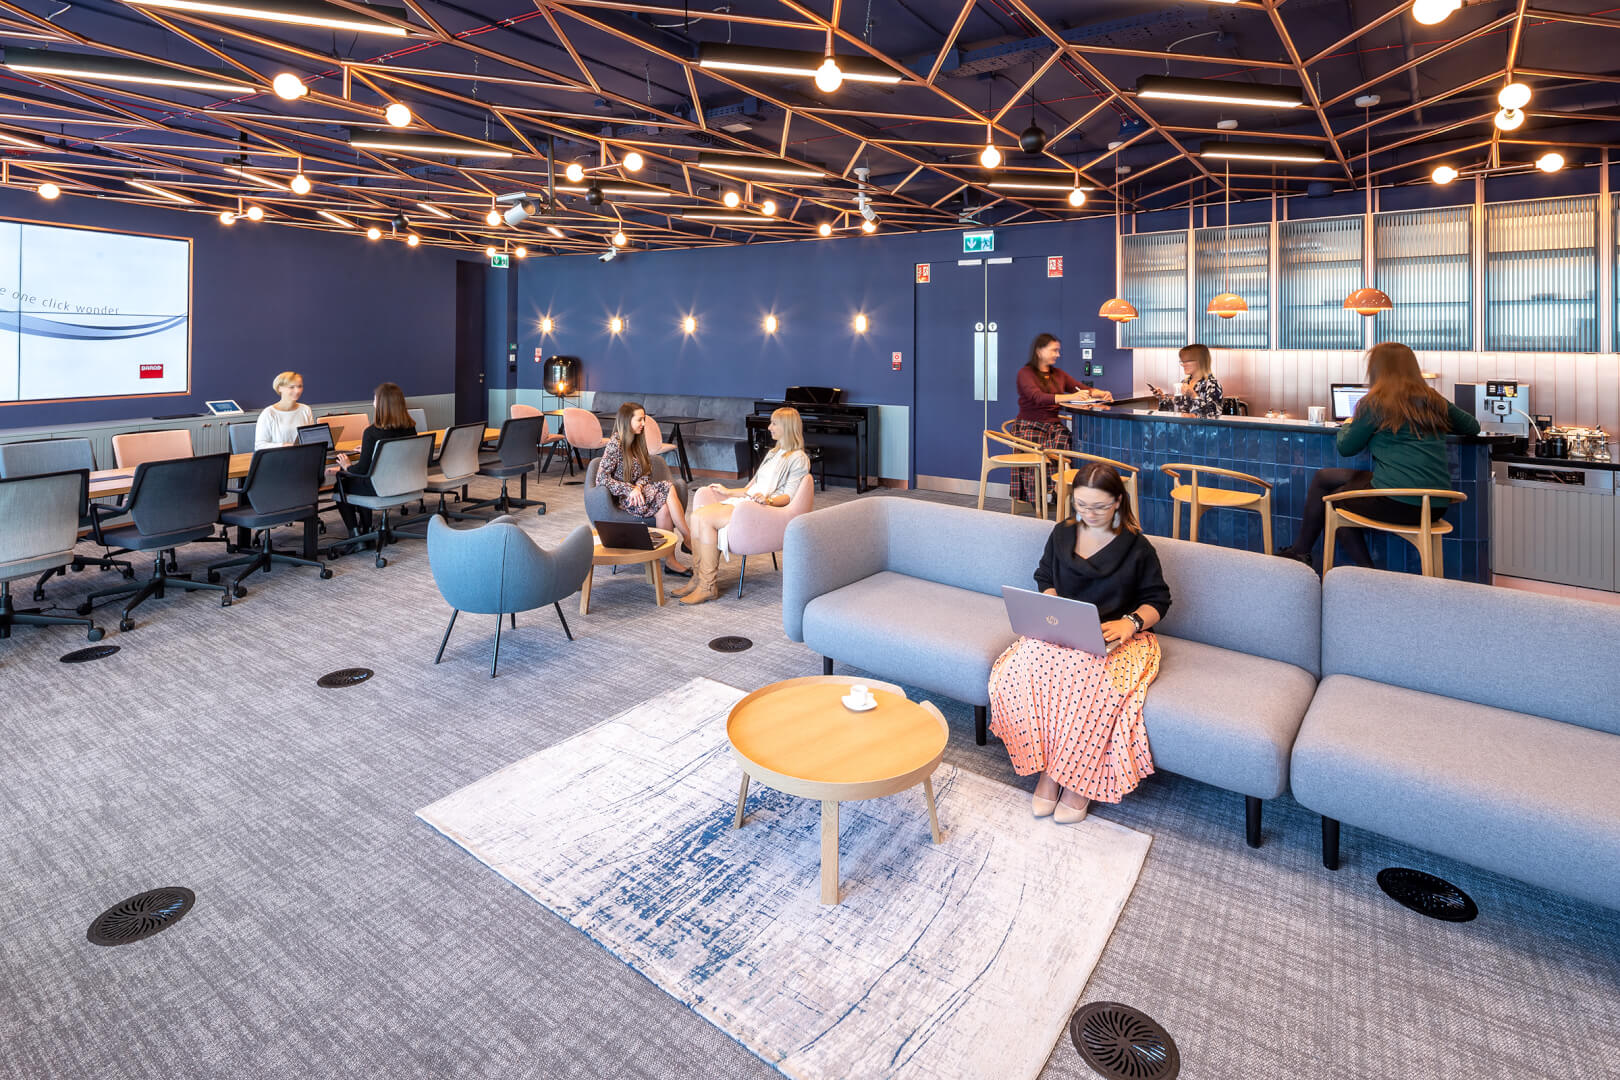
x,y
585,592
933,815
742,801
656,568
829,851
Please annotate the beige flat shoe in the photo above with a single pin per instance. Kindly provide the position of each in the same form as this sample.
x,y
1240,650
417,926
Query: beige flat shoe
x,y
1070,815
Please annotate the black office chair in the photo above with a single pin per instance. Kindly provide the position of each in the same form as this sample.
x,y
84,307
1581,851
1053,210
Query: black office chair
x,y
170,503
516,454
42,456
283,485
449,473
39,524
399,475
242,436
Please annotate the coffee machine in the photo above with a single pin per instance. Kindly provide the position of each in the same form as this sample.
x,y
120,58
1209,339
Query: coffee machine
x,y
1502,407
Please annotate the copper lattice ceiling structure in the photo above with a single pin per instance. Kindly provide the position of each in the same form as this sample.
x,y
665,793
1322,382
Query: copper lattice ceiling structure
x,y
172,103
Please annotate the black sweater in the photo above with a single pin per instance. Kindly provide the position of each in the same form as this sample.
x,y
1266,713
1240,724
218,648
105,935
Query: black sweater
x,y
368,446
1121,577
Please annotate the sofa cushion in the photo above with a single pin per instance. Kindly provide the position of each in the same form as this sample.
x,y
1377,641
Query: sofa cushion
x,y
1512,792
954,545
937,637
1225,718
1242,600
1524,652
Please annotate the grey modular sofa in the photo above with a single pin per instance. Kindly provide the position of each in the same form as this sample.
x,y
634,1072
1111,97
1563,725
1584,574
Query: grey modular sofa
x,y
1469,720
911,590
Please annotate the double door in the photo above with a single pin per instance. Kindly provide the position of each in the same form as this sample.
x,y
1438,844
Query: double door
x,y
976,319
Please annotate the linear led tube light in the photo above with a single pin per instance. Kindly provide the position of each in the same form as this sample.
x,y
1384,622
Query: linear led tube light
x,y
1056,182
1219,92
434,210
153,189
291,12
620,189
18,140
1257,151
767,166
337,219
721,216
424,144
718,56
117,69
262,181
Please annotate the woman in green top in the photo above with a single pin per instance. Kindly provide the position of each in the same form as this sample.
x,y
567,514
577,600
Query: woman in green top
x,y
1404,423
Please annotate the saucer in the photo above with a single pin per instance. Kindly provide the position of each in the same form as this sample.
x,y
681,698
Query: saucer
x,y
858,706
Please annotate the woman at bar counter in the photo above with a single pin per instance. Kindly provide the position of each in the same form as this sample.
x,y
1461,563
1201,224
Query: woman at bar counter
x,y
1075,718
1200,392
1042,388
1404,423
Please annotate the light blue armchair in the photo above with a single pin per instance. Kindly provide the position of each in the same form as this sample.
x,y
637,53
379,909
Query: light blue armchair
x,y
497,570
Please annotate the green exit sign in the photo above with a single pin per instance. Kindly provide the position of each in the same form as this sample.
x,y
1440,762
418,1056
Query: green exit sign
x,y
500,262
977,242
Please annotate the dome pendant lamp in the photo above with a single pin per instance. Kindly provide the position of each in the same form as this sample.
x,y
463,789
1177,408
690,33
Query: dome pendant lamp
x,y
1368,301
1032,140
1227,304
1117,309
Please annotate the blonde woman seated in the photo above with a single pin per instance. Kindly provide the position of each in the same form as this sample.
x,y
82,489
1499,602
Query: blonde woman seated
x,y
1075,718
626,471
278,425
778,478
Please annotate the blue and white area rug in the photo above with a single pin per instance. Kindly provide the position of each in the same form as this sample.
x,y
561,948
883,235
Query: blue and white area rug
x,y
943,962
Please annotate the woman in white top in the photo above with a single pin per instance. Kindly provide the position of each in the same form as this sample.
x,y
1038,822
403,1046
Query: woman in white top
x,y
778,478
278,425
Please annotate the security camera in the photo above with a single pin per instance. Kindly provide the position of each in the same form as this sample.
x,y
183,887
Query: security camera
x,y
609,255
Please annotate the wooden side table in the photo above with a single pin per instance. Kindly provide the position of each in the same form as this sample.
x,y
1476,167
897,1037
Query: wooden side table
x,y
797,736
664,543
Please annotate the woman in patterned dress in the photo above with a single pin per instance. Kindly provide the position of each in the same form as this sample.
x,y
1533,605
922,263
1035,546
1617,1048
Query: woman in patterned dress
x,y
1200,392
1042,387
626,471
1075,718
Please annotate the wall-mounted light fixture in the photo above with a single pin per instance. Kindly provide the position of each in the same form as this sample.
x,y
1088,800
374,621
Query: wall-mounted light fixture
x,y
689,324
771,324
616,325
545,324
860,323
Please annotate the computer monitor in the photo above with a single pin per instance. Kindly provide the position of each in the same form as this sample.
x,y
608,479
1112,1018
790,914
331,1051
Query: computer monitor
x,y
1346,396
315,433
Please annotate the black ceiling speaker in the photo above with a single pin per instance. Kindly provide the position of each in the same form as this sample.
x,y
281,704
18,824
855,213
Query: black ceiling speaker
x,y
593,194
562,375
1032,140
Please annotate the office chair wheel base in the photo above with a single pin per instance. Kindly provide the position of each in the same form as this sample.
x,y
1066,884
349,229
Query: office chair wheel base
x,y
331,555
239,591
381,562
84,608
95,633
78,568
213,576
126,624
225,601
39,594
128,573
326,572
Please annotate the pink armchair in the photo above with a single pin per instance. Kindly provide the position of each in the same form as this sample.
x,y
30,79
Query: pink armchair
x,y
756,529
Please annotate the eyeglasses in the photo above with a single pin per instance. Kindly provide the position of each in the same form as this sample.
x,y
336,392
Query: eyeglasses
x,y
1106,508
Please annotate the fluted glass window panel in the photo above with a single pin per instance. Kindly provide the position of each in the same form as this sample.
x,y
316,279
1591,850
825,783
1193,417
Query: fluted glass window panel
x,y
1615,288
1422,259
1236,260
1319,262
1541,278
1155,282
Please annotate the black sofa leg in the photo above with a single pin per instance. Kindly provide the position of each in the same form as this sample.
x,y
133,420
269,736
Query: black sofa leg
x,y
1251,820
1330,843
826,665
979,732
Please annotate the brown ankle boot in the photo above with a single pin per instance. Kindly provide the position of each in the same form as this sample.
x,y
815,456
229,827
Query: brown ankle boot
x,y
705,562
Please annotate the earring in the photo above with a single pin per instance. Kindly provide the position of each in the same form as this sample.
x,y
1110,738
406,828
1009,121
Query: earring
x,y
1116,519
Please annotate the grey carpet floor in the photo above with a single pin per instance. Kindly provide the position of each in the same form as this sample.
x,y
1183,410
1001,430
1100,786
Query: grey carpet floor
x,y
337,936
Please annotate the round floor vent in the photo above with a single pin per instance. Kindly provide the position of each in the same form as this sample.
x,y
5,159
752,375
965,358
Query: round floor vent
x,y
349,676
730,643
1123,1043
141,916
1426,894
94,652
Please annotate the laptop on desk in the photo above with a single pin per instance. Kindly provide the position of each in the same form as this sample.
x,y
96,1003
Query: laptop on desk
x,y
1073,624
632,536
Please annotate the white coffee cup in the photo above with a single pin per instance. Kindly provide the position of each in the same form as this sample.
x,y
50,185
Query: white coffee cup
x,y
1317,414
859,694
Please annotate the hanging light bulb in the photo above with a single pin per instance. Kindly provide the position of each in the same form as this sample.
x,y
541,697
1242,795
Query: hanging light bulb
x,y
575,172
828,77
634,161
1509,119
1551,161
768,207
300,184
1515,95
1077,197
1430,12
989,157
411,240
824,229
227,218
255,213
489,252
493,218
48,190
374,233
731,199
868,226
288,87
1443,174
397,114
619,239
520,252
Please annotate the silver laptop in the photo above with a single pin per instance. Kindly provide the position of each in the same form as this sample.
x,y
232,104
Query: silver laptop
x,y
1073,624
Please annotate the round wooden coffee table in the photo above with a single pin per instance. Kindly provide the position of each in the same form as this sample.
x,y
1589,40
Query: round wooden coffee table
x,y
663,543
796,736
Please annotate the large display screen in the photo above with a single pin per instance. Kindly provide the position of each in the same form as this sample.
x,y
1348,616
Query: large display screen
x,y
92,314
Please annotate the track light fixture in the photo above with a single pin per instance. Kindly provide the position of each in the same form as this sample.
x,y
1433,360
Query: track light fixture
x,y
519,212
868,226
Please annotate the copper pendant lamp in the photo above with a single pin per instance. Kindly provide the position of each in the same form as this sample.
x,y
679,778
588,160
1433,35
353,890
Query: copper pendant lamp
x,y
1368,301
1227,304
1116,309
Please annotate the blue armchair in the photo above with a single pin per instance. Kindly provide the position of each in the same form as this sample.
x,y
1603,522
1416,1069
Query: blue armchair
x,y
497,570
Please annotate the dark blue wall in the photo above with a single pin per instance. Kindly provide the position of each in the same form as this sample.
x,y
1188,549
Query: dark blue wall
x,y
345,311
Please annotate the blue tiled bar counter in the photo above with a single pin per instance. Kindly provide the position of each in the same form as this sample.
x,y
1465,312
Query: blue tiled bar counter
x,y
1285,453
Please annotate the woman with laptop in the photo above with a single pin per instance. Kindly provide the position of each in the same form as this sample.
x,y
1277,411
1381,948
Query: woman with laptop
x,y
278,425
1073,716
1042,388
1200,392
1404,422
389,420
626,471
774,484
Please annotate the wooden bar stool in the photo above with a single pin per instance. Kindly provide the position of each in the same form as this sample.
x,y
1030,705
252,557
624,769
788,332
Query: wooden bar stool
x,y
1202,497
1066,473
1025,455
1425,535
